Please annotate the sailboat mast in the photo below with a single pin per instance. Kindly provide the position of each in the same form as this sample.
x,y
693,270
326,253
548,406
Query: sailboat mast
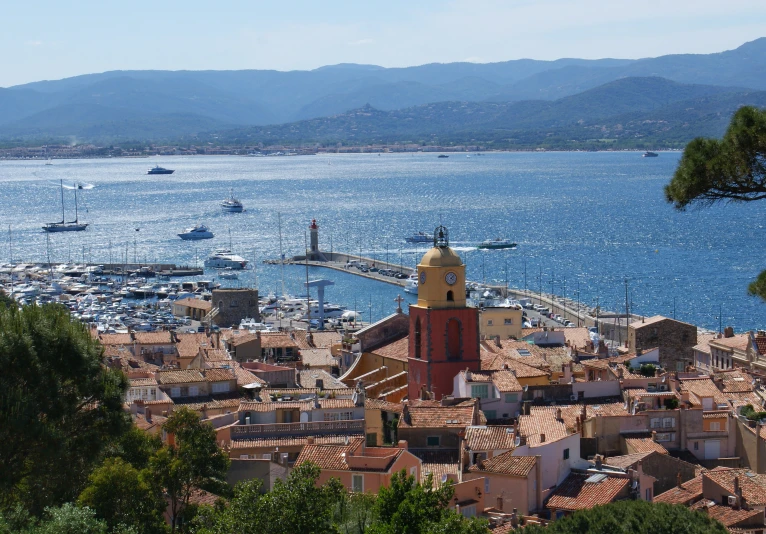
x,y
62,201
75,203
281,254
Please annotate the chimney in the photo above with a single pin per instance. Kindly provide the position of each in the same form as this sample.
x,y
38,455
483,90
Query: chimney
x,y
728,332
148,415
497,341
599,462
468,375
542,438
309,440
558,414
654,435
402,444
738,493
678,478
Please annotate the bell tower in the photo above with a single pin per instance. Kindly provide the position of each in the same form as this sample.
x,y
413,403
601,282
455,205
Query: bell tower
x,y
444,332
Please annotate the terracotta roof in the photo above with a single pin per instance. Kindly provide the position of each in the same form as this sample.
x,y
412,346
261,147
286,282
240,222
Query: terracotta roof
x,y
715,415
753,486
725,514
202,497
488,438
328,456
179,377
154,338
385,406
570,412
229,401
323,340
541,422
505,528
498,362
287,441
577,337
396,350
699,388
648,321
438,463
216,355
236,340
267,406
189,344
318,358
760,344
115,339
308,379
245,377
277,340
577,494
140,421
685,493
627,460
644,445
431,414
504,380
142,382
737,342
198,304
218,375
505,464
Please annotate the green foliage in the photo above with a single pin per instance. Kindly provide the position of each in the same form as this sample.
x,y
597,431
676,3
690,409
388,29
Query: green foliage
x,y
671,403
69,519
6,301
120,495
195,461
732,169
135,447
647,369
628,517
59,406
749,412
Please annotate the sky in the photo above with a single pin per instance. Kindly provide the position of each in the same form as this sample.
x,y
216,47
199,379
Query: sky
x,y
51,39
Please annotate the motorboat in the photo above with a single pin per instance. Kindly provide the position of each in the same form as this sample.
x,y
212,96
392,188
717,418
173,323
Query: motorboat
x,y
411,286
199,231
649,154
442,156
330,310
419,237
497,244
64,226
228,274
160,170
223,259
231,204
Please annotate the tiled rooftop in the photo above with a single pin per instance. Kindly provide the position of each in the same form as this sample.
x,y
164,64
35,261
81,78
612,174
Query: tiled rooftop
x,y
431,414
239,444
179,376
540,423
577,494
438,463
638,445
687,492
506,464
725,514
397,350
487,438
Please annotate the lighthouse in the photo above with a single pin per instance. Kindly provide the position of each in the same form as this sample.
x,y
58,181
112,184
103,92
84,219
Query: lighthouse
x,y
314,253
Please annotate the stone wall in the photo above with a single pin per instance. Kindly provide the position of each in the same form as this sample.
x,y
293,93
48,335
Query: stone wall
x,y
674,339
234,305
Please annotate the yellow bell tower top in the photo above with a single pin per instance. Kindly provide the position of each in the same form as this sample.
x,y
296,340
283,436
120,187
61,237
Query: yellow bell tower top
x,y
441,275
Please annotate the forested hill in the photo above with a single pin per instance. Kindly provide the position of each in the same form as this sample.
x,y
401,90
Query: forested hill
x,y
164,105
629,113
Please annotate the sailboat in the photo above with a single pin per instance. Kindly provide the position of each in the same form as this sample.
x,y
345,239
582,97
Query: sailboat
x,y
64,226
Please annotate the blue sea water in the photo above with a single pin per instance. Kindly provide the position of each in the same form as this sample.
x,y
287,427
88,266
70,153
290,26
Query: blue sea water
x,y
583,221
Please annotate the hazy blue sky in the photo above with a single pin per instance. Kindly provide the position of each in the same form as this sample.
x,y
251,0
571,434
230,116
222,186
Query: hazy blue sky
x,y
54,39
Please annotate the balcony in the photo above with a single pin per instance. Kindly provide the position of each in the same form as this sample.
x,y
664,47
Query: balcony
x,y
353,426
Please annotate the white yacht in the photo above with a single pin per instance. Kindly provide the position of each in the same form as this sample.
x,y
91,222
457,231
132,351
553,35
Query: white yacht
x,y
330,311
199,231
231,204
228,274
411,286
224,259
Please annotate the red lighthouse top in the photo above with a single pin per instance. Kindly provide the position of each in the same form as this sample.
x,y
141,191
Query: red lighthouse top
x,y
313,225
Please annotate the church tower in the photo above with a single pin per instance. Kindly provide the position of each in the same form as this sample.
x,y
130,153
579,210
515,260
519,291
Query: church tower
x,y
444,332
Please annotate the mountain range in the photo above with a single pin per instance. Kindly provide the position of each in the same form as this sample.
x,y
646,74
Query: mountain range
x,y
663,100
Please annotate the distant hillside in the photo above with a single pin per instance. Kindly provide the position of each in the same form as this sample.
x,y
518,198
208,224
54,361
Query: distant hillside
x,y
261,97
632,112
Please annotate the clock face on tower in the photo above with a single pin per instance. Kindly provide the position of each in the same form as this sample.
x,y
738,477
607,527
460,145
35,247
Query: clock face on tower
x,y
450,278
422,277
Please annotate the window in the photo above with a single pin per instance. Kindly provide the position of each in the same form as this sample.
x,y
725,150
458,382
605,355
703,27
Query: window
x,y
357,483
453,339
220,387
566,454
508,321
468,511
490,414
668,422
489,323
433,441
696,445
480,391
486,484
715,426
666,436
233,304
372,439
511,397
175,392
648,494
656,423
338,416
450,296
193,391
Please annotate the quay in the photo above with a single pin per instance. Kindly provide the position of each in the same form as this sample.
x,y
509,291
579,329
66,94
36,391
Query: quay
x,y
146,270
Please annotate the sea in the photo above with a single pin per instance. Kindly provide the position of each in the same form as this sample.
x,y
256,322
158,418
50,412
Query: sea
x,y
589,226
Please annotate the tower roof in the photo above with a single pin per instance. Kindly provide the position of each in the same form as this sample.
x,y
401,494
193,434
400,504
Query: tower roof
x,y
441,257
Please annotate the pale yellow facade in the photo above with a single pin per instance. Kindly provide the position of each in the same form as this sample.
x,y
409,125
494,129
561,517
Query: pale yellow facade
x,y
503,322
